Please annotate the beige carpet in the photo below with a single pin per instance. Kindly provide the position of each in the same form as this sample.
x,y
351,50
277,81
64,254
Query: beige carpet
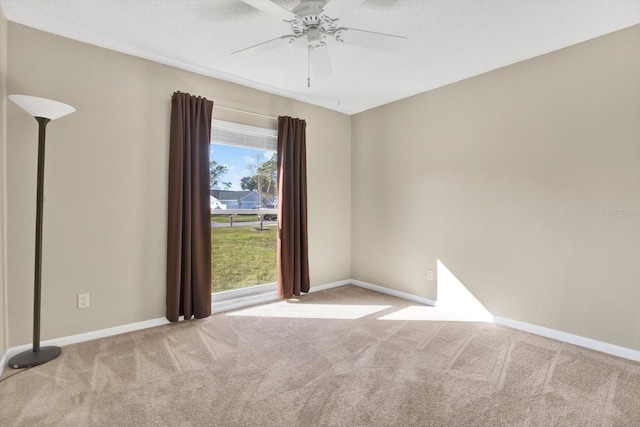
x,y
335,359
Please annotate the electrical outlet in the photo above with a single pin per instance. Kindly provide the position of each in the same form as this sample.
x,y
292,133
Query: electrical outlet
x,y
429,274
83,300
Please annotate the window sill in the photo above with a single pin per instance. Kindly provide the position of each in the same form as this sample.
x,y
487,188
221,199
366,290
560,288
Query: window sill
x,y
240,298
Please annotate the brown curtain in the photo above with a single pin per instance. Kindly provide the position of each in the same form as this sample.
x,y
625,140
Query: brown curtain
x,y
189,225
293,260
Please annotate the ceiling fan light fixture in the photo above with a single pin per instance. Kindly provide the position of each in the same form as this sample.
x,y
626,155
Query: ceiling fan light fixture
x,y
314,37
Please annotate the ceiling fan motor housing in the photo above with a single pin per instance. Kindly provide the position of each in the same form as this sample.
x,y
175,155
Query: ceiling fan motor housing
x,y
309,11
311,21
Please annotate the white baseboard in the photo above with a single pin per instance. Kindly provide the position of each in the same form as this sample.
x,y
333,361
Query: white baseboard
x,y
264,294
324,287
578,340
603,347
88,336
393,293
233,304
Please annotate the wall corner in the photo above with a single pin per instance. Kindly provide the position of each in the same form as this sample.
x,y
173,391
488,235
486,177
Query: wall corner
x,y
4,345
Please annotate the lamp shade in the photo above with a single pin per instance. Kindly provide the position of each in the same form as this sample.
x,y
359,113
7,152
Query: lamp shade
x,y
42,107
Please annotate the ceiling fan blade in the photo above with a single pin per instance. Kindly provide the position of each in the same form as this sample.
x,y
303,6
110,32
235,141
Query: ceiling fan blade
x,y
341,8
369,39
265,46
320,61
270,8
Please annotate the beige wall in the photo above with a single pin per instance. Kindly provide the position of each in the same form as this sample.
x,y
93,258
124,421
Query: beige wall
x,y
3,132
106,179
515,180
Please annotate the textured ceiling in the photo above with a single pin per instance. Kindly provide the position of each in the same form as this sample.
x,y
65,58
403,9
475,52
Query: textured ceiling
x,y
447,40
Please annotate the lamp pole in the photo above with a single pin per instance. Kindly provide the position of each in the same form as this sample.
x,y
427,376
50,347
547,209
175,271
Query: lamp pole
x,y
37,286
43,110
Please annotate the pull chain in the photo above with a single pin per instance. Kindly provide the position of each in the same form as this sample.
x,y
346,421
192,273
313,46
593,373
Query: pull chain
x,y
308,65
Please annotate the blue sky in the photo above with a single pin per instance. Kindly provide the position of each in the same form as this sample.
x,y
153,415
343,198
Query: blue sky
x,y
236,159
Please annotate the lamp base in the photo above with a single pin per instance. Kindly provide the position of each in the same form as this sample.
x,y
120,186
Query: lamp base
x,y
30,358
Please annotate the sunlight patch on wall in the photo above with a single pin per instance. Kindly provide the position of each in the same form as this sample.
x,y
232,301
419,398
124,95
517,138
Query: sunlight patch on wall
x,y
453,296
294,309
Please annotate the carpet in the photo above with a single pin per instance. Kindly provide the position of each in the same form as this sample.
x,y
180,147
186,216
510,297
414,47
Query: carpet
x,y
339,357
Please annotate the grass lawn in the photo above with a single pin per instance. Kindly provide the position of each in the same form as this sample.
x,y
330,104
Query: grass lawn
x,y
242,257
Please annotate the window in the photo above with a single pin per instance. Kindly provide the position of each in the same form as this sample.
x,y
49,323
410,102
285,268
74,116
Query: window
x,y
242,172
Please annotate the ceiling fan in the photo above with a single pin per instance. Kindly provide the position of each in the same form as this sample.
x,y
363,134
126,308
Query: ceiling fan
x,y
316,21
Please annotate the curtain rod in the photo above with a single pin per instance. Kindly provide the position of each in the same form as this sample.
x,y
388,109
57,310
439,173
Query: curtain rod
x,y
242,111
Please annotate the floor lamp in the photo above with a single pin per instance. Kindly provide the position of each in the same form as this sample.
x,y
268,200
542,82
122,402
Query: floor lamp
x,y
44,110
